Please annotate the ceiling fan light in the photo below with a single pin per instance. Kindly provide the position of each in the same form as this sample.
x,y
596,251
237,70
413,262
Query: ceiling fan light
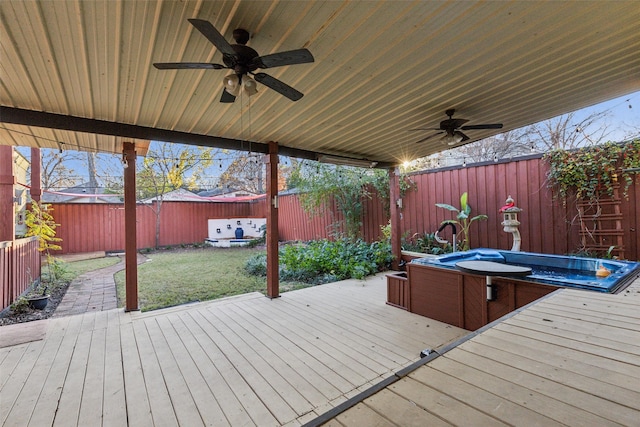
x,y
249,86
451,139
232,84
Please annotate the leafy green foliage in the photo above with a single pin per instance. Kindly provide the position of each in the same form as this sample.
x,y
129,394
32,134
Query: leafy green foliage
x,y
321,184
20,305
425,243
40,223
168,167
463,219
590,172
256,265
324,261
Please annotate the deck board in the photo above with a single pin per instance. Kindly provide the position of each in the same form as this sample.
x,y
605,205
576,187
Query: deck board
x,y
21,392
138,407
155,384
340,370
436,402
572,358
245,360
224,373
114,385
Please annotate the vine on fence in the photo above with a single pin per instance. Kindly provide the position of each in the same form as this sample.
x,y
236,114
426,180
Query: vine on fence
x,y
591,172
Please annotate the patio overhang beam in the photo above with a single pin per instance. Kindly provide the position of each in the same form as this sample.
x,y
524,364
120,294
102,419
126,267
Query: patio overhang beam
x,y
43,119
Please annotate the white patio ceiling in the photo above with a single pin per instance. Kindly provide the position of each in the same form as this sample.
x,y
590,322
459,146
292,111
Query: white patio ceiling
x,y
381,68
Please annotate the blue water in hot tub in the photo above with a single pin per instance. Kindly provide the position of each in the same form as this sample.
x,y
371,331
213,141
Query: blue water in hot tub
x,y
558,270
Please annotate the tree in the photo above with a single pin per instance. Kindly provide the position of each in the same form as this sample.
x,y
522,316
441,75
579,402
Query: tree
x,y
168,167
56,174
501,146
246,172
566,132
320,184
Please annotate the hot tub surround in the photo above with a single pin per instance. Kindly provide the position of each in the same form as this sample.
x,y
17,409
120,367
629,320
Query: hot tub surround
x,y
437,289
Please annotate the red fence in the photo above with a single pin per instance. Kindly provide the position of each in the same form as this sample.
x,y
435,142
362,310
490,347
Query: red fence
x,y
295,224
88,227
546,224
19,265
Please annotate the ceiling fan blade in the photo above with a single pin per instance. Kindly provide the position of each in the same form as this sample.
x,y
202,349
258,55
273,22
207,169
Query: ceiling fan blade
x,y
291,57
213,35
226,97
487,126
187,66
429,137
278,86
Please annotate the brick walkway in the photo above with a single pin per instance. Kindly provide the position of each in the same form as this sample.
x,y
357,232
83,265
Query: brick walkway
x,y
92,291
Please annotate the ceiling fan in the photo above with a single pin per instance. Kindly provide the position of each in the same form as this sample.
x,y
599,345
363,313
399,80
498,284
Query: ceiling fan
x,y
243,60
451,128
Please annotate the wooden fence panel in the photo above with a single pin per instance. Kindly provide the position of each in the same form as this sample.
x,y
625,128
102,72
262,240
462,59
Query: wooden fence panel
x,y
90,227
20,265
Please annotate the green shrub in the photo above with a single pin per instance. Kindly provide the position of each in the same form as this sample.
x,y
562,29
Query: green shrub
x,y
322,261
426,244
256,265
20,305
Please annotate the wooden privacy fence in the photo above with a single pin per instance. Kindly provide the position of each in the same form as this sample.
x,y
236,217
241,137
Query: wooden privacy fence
x,y
19,265
547,225
90,227
297,225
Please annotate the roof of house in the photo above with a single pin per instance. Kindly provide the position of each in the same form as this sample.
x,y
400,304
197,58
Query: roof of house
x,y
83,193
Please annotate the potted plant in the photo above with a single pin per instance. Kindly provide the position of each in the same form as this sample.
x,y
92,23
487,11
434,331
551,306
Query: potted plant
x,y
38,297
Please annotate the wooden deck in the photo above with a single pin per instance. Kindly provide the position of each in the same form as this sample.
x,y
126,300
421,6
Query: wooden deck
x,y
572,358
239,361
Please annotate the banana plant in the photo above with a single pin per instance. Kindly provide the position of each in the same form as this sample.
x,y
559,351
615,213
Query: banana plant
x,y
463,219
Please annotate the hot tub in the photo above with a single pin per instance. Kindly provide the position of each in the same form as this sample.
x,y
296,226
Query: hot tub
x,y
557,270
437,289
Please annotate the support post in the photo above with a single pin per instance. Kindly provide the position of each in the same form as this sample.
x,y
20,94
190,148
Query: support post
x,y
36,174
271,161
7,205
395,217
131,247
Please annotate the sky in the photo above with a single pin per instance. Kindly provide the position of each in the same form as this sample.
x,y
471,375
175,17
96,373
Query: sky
x,y
624,114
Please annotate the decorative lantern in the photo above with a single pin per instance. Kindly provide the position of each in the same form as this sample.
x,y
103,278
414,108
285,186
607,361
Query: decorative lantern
x,y
510,221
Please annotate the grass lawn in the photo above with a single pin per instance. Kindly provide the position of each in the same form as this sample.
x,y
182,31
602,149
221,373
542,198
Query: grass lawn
x,y
80,267
185,275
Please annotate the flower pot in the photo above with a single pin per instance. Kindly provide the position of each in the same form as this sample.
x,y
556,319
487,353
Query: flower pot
x,y
239,233
38,303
